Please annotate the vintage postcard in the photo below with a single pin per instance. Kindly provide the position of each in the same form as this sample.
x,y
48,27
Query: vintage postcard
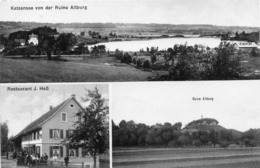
x,y
129,40
48,125
183,125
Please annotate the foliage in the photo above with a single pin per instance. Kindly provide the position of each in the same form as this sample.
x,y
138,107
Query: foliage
x,y
252,37
126,58
118,54
91,132
146,64
139,63
153,59
65,41
224,65
203,120
4,137
128,133
48,45
224,144
193,63
250,137
254,52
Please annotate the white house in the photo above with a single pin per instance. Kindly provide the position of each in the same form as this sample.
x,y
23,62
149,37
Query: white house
x,y
33,39
243,44
45,134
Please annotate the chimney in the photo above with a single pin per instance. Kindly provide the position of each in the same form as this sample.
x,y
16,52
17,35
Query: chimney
x,y
51,107
73,95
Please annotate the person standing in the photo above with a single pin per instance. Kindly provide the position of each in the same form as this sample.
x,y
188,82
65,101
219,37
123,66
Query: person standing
x,y
46,158
66,160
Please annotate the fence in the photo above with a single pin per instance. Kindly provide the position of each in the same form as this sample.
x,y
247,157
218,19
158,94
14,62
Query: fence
x,y
60,164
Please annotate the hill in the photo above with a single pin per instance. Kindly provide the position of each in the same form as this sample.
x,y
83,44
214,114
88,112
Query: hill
x,y
206,125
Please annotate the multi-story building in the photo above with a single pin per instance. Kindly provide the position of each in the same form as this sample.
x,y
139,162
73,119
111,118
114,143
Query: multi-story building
x,y
47,133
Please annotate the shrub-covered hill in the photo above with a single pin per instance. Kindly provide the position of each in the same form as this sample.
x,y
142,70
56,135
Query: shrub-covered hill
x,y
208,124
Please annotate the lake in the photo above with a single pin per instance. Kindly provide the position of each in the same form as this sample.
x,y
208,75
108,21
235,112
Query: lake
x,y
162,43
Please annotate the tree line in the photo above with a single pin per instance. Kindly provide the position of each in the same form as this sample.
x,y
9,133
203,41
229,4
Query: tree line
x,y
131,134
185,62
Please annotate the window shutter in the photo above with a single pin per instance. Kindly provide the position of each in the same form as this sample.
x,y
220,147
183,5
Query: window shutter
x,y
77,152
82,152
61,134
67,150
51,151
51,134
67,133
61,151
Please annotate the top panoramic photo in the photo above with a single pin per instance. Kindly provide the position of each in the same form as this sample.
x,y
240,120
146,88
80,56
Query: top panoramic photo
x,y
129,40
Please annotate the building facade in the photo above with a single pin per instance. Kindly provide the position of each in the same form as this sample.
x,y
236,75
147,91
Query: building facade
x,y
47,133
33,39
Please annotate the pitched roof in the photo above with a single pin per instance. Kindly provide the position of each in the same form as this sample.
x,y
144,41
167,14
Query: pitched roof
x,y
38,122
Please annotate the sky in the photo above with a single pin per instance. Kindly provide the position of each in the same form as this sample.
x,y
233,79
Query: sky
x,y
235,103
215,12
20,108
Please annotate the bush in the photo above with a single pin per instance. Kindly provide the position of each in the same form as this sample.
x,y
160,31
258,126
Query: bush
x,y
254,52
146,64
153,59
134,61
118,54
172,144
127,58
139,63
224,144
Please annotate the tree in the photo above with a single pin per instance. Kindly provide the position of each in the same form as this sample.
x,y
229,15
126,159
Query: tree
x,y
91,134
225,65
48,45
65,41
4,137
213,137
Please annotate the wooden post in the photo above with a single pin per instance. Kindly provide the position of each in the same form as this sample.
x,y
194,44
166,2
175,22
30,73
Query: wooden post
x,y
82,164
61,164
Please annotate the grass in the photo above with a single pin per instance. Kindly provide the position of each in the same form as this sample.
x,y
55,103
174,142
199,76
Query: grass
x,y
189,158
27,70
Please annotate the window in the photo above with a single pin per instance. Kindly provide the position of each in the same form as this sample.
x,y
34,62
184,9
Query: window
x,y
56,134
63,117
72,105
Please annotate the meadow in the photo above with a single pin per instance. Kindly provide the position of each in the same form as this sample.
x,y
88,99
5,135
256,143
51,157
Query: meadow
x,y
89,70
188,158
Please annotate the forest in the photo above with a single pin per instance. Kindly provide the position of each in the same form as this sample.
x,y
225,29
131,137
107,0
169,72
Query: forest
x,y
195,134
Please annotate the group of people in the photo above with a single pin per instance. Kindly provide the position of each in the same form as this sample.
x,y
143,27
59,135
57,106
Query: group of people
x,y
24,158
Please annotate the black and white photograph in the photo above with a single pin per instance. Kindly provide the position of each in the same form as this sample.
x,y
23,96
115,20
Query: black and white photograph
x,y
129,40
63,125
186,126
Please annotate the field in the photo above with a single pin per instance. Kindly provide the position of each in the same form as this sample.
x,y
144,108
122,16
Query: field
x,y
75,70
188,158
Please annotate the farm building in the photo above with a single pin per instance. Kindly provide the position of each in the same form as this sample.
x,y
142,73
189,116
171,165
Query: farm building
x,y
20,41
33,39
46,134
243,44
